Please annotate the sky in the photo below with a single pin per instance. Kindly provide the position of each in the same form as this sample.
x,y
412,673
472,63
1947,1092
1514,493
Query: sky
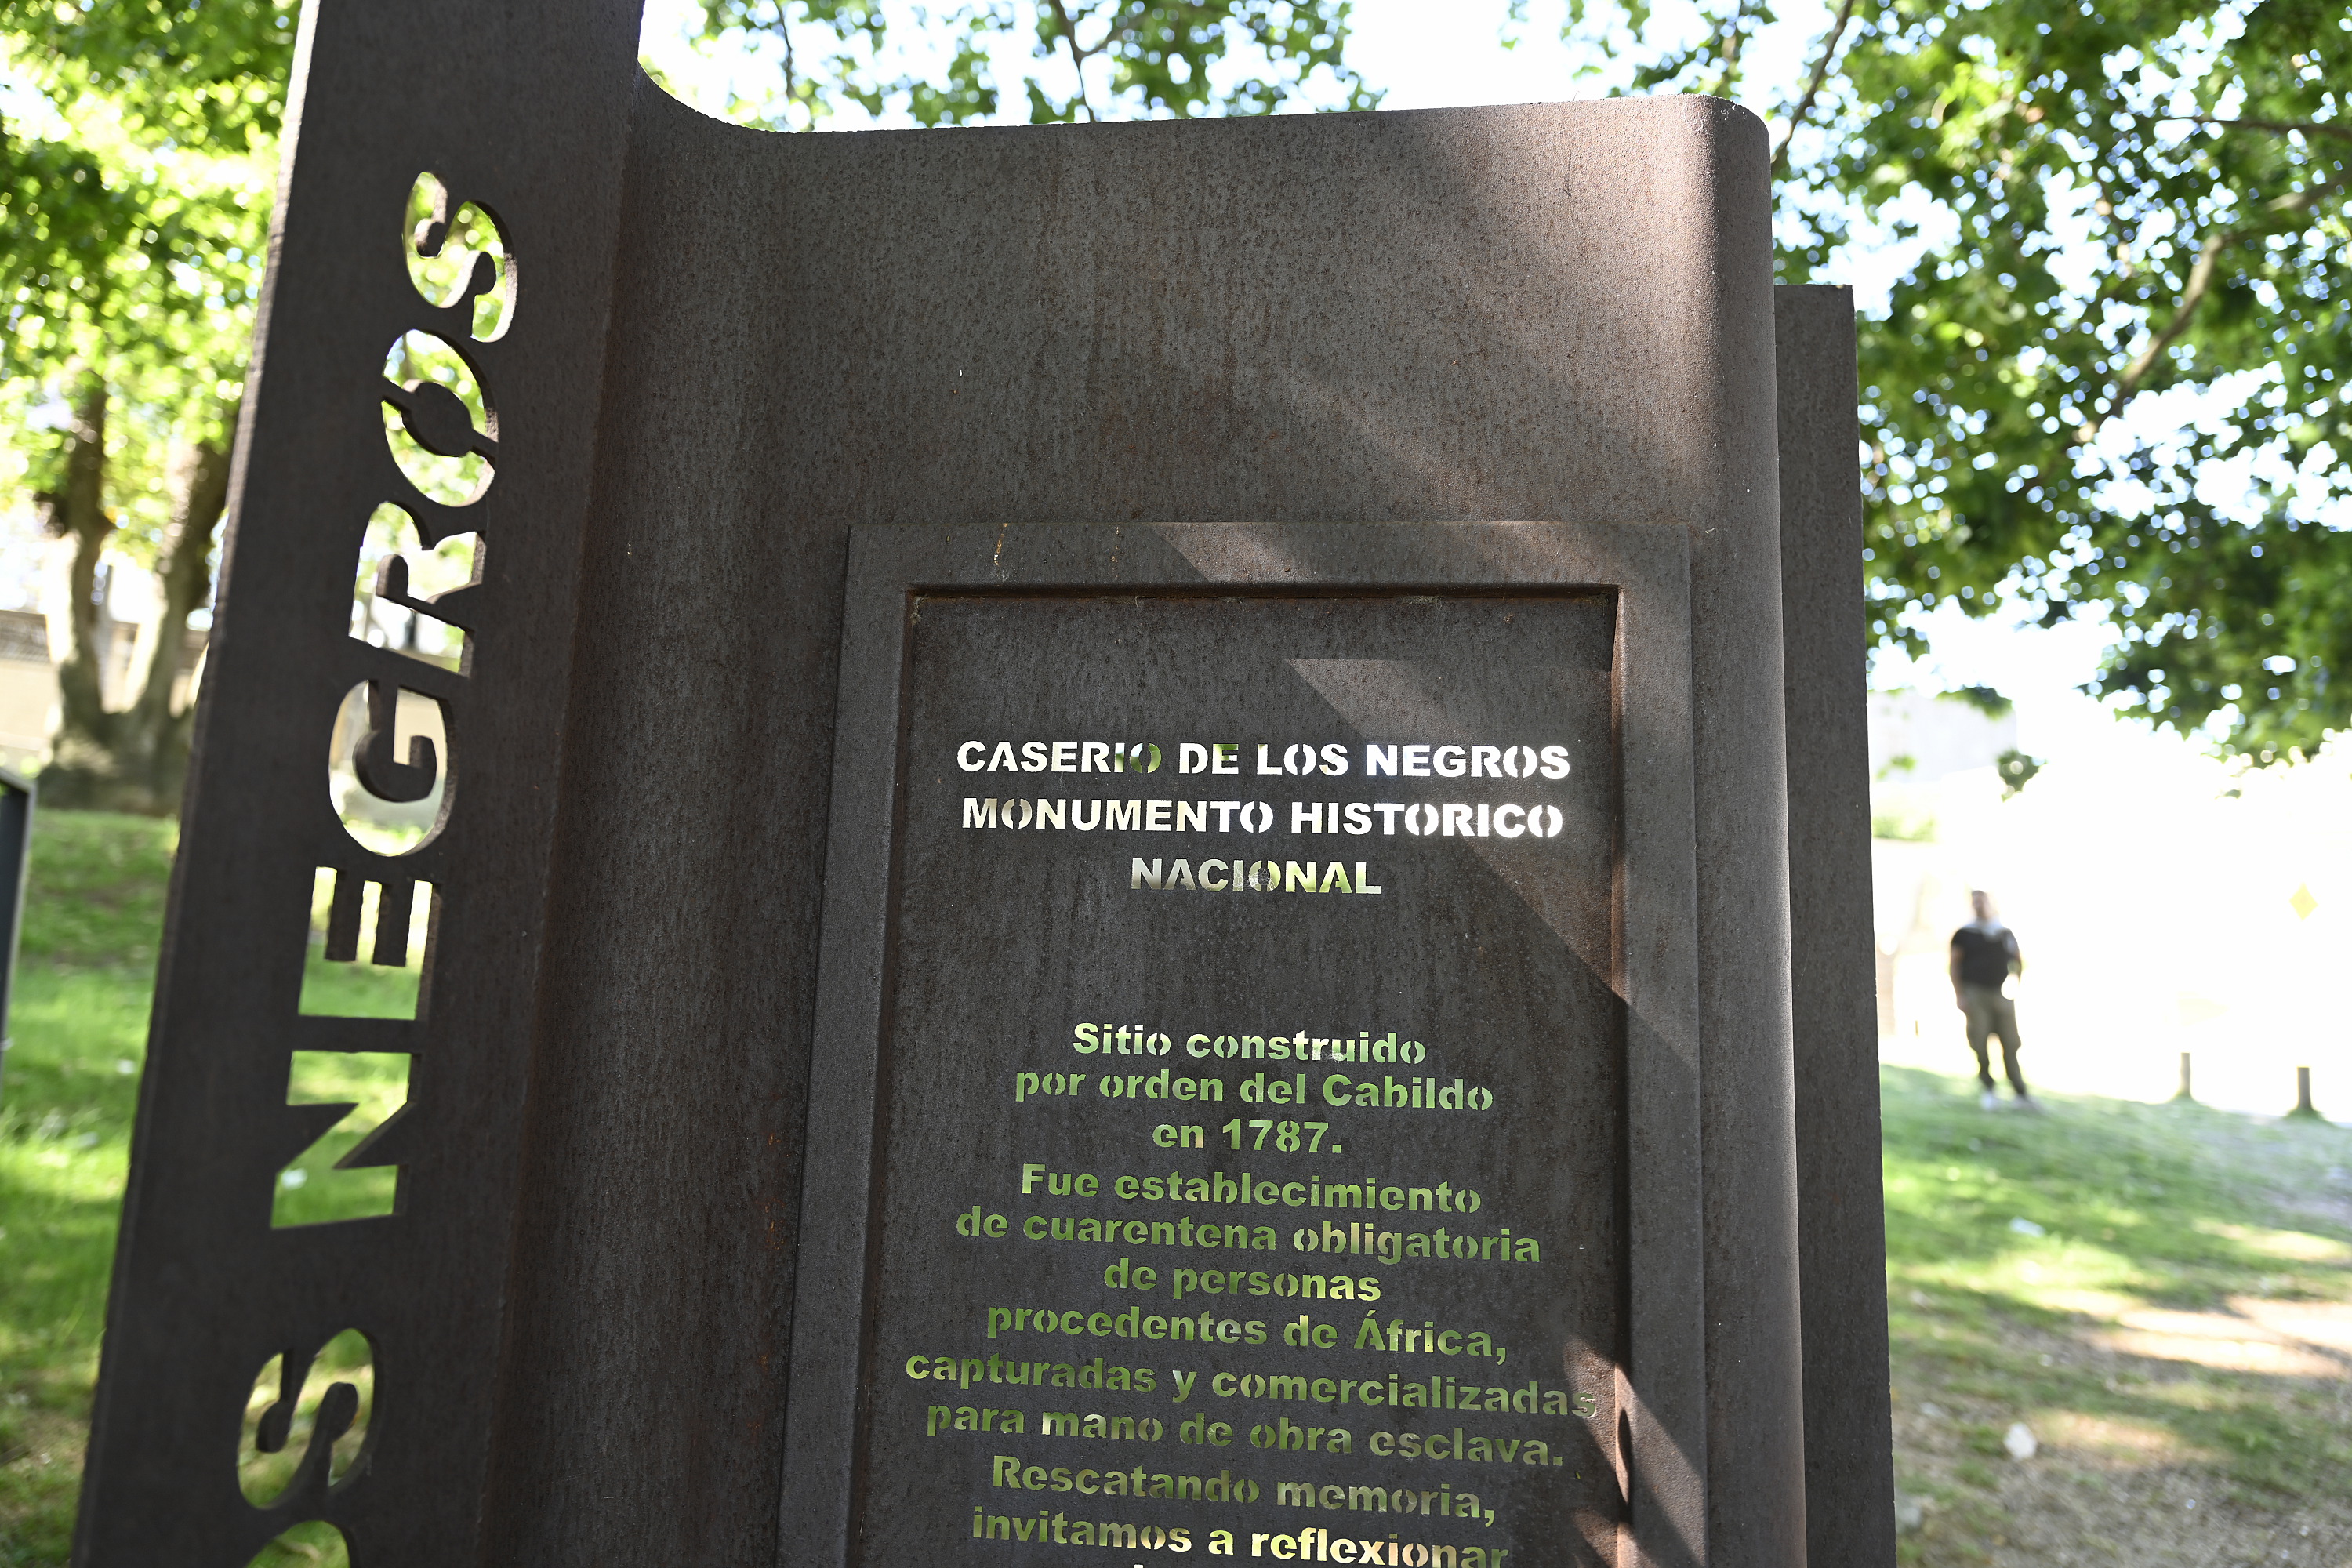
x,y
1419,54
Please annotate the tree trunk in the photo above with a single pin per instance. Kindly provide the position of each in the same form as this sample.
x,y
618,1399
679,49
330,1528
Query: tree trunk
x,y
77,510
156,744
136,759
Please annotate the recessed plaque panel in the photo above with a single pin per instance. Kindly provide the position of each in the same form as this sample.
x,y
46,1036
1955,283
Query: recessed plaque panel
x,y
1253,1082
1251,1141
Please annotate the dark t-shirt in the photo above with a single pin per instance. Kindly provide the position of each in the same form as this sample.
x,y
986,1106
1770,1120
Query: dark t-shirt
x,y
1985,955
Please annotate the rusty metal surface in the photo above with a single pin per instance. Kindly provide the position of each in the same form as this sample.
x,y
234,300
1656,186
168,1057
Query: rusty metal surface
x,y
1849,1429
1554,311
728,349
950,957
205,1292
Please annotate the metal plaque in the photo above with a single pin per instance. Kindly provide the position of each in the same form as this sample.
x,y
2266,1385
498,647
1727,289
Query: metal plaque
x,y
1249,1118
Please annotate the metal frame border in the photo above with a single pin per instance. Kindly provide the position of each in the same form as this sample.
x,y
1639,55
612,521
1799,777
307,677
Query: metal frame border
x,y
1664,1402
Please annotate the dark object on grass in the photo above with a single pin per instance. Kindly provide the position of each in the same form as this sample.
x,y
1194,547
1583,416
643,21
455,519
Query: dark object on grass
x,y
2303,1108
15,843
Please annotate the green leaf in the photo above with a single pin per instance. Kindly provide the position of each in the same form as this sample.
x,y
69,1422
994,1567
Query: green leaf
x,y
2143,195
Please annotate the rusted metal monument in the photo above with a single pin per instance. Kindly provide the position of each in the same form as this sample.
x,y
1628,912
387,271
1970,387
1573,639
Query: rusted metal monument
x,y
1152,843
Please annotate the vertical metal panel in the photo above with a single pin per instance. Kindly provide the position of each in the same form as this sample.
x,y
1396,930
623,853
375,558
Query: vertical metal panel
x,y
1849,1435
1558,312
17,796
205,1292
1755,1380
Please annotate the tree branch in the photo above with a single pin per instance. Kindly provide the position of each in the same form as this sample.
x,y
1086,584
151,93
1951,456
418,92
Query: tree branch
x,y
2282,127
2201,280
2200,283
2302,200
1077,55
792,84
1830,41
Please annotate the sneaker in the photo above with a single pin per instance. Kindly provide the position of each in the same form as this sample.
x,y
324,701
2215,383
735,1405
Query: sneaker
x,y
1988,1101
2027,1102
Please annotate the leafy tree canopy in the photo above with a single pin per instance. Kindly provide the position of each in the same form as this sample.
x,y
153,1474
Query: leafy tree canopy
x,y
1086,59
2113,382
136,157
134,204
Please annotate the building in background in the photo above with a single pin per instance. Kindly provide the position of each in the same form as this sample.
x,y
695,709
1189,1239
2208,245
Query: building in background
x,y
28,691
2167,901
1935,757
34,641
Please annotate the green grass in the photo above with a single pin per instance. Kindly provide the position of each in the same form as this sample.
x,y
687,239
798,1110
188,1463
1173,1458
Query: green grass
x,y
93,914
360,989
312,1191
95,898
93,917
2198,1218
313,1545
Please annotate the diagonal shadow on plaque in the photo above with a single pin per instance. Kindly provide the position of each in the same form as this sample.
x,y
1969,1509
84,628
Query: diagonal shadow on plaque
x,y
1382,698
1400,698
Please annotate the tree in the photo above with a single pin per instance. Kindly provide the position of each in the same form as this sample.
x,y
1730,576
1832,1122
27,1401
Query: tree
x,y
134,212
1125,59
2125,198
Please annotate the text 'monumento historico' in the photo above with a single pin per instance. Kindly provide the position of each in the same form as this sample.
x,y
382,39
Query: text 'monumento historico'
x,y
1151,847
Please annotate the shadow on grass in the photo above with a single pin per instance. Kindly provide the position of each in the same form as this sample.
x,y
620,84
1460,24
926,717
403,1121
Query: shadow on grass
x,y
2024,1249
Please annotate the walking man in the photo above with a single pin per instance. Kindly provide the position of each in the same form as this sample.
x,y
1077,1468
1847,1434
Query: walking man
x,y
1984,955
